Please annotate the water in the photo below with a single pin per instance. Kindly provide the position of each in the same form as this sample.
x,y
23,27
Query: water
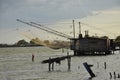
x,y
16,64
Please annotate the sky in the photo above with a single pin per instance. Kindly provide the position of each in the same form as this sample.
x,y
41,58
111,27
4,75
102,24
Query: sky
x,y
103,14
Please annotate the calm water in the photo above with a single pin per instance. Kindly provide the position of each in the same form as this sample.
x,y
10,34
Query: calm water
x,y
16,64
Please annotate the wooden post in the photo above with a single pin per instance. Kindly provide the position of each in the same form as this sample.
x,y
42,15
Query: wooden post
x,y
119,49
67,53
113,52
75,53
97,64
53,66
78,67
49,64
69,61
114,75
73,29
110,75
105,65
33,56
118,75
79,28
89,69
62,50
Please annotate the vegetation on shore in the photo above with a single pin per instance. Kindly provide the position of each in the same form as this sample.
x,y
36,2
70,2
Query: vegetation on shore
x,y
23,43
117,39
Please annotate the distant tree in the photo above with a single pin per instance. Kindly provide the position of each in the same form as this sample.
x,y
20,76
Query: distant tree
x,y
46,42
104,37
117,39
32,42
4,45
95,36
22,43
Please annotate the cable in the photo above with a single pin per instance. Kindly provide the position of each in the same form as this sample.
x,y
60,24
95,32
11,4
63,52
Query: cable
x,y
44,29
98,28
50,29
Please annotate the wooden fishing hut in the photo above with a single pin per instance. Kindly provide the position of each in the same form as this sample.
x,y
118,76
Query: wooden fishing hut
x,y
90,45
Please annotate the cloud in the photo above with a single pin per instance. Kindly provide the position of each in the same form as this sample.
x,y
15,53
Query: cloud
x,y
56,8
107,12
50,10
113,11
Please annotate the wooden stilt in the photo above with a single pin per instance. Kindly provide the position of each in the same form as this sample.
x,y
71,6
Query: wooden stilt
x,y
110,75
53,66
89,69
118,75
97,64
49,64
114,75
119,49
69,61
33,57
105,65
113,52
62,50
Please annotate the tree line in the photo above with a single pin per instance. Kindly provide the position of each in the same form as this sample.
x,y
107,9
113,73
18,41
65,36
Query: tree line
x,y
23,43
20,43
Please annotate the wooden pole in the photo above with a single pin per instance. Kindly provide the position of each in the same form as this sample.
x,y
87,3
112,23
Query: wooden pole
x,y
118,75
105,65
79,28
110,75
74,38
49,64
33,56
119,49
97,64
113,52
114,75
73,29
89,69
53,66
69,61
62,50
67,53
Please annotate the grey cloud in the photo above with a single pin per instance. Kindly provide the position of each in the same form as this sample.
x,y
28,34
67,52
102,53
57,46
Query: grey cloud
x,y
100,4
52,10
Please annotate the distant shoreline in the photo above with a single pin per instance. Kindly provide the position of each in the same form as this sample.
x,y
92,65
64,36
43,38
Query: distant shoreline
x,y
8,46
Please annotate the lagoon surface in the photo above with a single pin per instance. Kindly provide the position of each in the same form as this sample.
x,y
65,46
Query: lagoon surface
x,y
16,64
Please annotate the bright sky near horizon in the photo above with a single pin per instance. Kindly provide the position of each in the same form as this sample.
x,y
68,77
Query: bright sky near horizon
x,y
103,14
